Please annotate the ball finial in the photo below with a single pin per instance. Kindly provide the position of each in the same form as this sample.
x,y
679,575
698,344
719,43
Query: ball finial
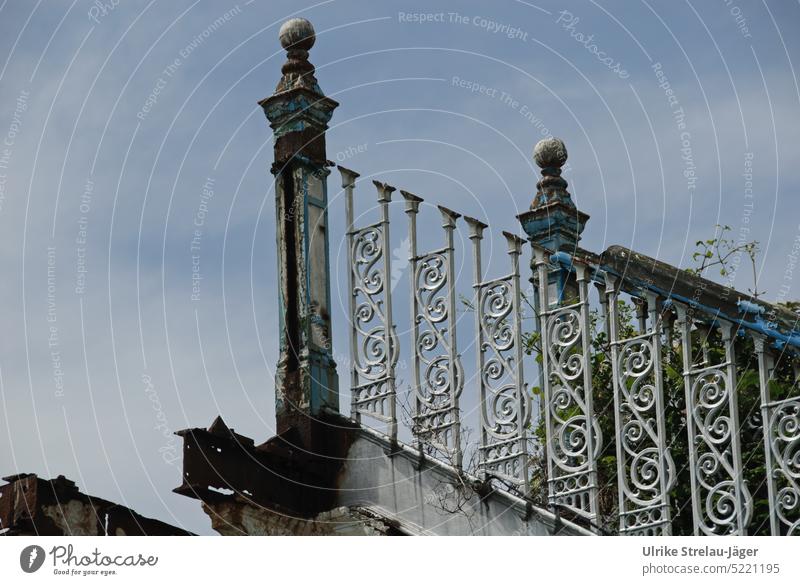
x,y
297,33
550,153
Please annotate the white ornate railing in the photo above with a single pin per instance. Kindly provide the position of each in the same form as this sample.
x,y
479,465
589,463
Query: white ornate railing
x,y
645,467
373,341
437,370
574,437
504,402
681,320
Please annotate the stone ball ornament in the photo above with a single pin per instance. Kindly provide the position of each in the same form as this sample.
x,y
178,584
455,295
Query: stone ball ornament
x,y
550,153
297,33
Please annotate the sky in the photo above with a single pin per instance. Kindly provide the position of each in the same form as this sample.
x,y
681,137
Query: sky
x,y
131,128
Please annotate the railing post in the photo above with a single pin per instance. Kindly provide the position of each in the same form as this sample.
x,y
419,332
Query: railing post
x,y
582,274
667,471
449,218
412,209
765,367
684,326
541,268
476,228
743,500
384,198
521,392
348,184
612,326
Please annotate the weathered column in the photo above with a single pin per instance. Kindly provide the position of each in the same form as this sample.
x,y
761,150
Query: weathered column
x,y
306,383
553,222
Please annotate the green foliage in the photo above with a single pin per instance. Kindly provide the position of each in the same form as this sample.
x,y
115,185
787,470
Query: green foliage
x,y
725,254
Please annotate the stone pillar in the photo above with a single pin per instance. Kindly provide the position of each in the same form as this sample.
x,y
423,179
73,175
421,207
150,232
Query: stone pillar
x,y
553,221
306,383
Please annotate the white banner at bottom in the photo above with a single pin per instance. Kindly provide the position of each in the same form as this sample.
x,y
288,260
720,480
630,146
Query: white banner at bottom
x,y
354,560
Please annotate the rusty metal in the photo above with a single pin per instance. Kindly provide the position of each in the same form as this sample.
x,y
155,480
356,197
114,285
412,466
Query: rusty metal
x,y
284,474
56,507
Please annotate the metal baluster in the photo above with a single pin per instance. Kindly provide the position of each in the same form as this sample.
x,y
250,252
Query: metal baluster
x,y
412,209
592,433
476,228
522,402
684,325
541,266
373,340
449,218
390,341
667,473
348,184
744,505
766,364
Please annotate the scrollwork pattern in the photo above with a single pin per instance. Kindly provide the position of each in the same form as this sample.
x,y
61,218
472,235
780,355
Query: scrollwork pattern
x,y
714,470
784,428
372,361
569,425
439,382
648,470
506,411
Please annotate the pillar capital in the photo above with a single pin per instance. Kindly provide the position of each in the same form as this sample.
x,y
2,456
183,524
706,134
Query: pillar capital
x,y
553,221
298,111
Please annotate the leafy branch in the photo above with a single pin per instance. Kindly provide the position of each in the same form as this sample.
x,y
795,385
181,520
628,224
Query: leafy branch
x,y
725,253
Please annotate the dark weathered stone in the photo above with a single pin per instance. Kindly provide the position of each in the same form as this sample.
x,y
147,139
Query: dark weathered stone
x,y
55,507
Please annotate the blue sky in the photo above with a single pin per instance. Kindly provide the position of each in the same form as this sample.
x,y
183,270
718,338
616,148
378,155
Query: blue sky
x,y
103,187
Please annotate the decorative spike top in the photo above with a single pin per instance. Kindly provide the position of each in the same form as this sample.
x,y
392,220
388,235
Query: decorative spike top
x,y
412,201
297,33
553,220
550,155
514,243
298,111
297,36
476,227
348,177
384,191
449,217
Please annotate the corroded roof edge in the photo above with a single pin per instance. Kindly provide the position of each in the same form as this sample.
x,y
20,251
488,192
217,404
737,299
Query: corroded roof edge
x,y
646,273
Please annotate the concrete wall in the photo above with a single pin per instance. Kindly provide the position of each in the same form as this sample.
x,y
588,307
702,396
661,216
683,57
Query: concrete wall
x,y
425,497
